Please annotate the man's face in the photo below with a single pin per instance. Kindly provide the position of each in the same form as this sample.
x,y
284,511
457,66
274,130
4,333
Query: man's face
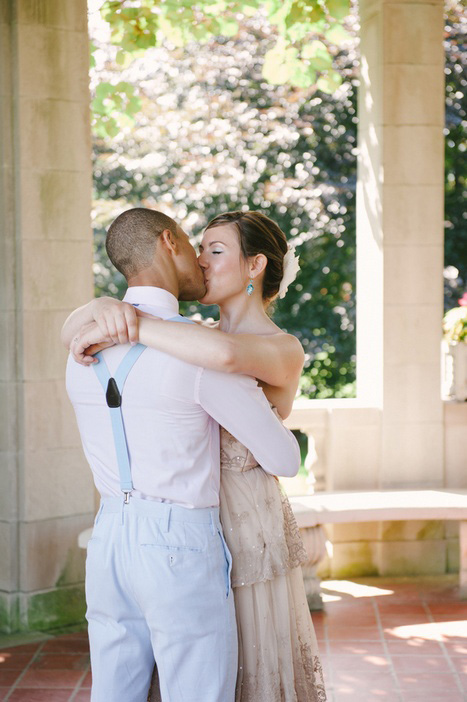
x,y
191,278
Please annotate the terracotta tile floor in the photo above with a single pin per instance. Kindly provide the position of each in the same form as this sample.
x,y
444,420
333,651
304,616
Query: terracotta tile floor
x,y
394,640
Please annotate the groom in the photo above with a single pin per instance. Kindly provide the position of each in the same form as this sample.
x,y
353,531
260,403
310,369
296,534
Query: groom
x,y
158,568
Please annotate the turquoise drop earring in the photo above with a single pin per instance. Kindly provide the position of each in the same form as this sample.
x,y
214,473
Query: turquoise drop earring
x,y
250,287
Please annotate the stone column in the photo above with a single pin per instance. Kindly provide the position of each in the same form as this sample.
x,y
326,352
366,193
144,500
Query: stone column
x,y
400,234
46,495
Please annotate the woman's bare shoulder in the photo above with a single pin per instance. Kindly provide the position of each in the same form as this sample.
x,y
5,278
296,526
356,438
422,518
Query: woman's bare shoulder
x,y
281,337
290,345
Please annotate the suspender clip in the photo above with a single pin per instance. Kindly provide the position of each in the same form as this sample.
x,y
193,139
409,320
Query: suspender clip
x,y
112,396
127,494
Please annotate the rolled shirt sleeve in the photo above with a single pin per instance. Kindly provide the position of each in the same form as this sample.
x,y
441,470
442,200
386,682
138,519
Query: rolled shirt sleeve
x,y
238,404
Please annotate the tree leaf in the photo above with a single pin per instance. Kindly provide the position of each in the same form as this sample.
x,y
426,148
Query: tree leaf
x,y
338,8
274,71
92,58
303,76
200,33
301,13
329,82
111,127
298,31
173,33
134,105
103,89
228,28
280,63
249,9
278,17
120,57
338,34
316,49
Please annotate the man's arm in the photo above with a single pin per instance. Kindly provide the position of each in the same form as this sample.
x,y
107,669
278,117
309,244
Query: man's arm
x,y
240,406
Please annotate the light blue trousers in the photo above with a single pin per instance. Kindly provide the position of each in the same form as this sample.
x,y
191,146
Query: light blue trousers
x,y
158,589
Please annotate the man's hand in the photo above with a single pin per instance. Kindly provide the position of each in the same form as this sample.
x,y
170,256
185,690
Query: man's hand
x,y
89,341
116,320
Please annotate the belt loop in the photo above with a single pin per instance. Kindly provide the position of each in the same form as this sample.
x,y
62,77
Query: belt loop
x,y
123,510
213,525
165,523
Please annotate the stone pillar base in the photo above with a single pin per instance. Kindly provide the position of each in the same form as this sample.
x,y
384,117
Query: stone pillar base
x,y
312,588
314,540
42,611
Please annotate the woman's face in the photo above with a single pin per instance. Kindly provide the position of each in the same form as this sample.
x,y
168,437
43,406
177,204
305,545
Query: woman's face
x,y
225,269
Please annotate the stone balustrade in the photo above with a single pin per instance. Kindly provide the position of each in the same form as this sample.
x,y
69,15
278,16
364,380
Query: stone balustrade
x,y
345,444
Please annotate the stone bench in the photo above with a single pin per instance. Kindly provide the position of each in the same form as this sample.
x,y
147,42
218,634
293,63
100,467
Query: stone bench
x,y
314,511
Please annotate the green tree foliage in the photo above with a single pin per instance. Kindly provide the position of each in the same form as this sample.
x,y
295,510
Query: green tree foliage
x,y
455,251
306,36
212,136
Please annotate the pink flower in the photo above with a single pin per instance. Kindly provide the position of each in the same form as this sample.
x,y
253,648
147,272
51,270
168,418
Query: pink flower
x,y
463,300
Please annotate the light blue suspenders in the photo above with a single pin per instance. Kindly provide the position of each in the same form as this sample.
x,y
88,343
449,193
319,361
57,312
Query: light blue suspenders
x,y
113,388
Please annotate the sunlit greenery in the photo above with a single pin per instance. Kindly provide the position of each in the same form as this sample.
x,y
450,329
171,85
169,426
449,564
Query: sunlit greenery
x,y
211,134
306,35
455,252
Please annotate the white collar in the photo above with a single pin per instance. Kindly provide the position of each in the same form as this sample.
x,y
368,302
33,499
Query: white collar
x,y
150,295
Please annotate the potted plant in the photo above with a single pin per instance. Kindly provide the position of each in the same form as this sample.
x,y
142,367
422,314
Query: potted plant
x,y
455,351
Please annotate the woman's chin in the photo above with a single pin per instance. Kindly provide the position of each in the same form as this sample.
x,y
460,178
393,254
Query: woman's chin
x,y
207,300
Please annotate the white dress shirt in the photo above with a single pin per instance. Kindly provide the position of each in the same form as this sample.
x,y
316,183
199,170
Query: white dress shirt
x,y
172,411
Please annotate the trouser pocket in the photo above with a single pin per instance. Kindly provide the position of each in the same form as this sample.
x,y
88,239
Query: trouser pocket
x,y
228,562
98,515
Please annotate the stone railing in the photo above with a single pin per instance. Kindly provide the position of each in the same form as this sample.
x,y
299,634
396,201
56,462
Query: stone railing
x,y
345,444
344,453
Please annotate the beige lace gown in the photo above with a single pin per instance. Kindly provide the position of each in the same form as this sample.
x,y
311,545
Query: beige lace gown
x,y
278,652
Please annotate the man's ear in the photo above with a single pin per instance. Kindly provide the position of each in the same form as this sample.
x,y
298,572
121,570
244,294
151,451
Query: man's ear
x,y
168,239
257,264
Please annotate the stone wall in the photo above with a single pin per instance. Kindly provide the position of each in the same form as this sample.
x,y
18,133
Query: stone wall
x,y
47,496
399,432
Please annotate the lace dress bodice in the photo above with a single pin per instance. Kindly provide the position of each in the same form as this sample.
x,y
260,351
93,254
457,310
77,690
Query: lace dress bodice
x,y
234,455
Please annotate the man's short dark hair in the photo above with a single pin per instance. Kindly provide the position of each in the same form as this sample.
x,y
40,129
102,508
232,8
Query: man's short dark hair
x,y
132,239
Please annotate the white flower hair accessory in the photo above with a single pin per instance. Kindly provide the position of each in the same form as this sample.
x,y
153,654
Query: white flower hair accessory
x,y
291,268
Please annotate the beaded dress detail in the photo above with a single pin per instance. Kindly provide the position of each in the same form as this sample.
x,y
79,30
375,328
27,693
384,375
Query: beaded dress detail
x,y
278,652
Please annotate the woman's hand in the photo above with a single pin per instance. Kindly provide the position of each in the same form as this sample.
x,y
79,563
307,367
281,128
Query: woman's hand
x,y
140,313
89,341
117,321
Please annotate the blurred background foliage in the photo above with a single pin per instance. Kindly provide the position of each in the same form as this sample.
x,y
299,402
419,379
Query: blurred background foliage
x,y
305,33
195,126
455,250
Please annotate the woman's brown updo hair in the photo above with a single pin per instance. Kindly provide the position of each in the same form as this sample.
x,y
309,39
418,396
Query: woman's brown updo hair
x,y
259,235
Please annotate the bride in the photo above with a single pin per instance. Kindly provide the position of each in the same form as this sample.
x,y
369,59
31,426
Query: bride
x,y
246,263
